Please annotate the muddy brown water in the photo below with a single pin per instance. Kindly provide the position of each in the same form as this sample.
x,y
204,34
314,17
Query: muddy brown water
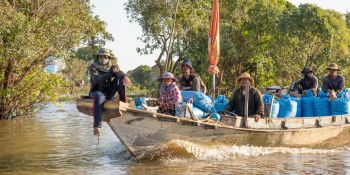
x,y
59,140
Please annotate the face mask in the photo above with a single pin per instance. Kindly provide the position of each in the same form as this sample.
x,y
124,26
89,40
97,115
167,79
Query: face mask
x,y
307,75
103,60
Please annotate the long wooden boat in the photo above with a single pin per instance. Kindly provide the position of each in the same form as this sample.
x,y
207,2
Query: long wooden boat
x,y
140,130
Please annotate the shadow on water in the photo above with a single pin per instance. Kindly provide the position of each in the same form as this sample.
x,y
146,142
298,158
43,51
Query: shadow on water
x,y
59,140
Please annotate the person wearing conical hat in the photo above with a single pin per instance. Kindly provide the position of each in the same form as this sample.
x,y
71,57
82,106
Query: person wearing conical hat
x,y
236,104
189,81
170,94
307,82
333,83
105,81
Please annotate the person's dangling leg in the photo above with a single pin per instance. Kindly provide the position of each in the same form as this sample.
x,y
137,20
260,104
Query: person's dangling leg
x,y
122,93
118,86
99,99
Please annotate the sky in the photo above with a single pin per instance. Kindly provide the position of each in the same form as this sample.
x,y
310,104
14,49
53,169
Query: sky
x,y
125,33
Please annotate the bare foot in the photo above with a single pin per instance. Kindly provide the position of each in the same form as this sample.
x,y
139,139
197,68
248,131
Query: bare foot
x,y
97,131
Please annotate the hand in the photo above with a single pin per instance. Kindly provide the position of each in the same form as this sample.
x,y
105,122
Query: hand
x,y
115,69
314,93
332,95
257,118
295,94
126,81
304,92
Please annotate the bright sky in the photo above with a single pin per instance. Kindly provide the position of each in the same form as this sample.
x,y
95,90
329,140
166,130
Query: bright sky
x,y
126,33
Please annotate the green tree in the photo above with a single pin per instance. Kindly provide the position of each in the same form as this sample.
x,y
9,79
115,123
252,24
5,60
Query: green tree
x,y
88,52
271,39
169,26
141,76
30,31
311,36
347,19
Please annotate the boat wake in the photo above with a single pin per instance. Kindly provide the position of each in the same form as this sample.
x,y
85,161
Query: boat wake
x,y
199,151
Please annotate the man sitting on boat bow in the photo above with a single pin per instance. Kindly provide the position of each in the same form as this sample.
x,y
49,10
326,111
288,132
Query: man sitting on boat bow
x,y
106,80
255,102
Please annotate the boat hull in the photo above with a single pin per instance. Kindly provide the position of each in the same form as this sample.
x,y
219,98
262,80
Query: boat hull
x,y
139,132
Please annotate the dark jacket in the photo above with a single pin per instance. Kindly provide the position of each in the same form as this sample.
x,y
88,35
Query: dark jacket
x,y
336,84
101,80
193,83
255,104
305,83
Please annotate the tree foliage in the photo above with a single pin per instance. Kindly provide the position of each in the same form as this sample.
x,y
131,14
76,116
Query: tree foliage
x,y
271,39
142,76
311,36
30,31
169,26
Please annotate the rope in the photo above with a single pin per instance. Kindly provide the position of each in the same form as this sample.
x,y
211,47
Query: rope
x,y
98,141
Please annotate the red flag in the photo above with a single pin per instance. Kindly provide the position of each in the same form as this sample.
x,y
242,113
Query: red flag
x,y
214,39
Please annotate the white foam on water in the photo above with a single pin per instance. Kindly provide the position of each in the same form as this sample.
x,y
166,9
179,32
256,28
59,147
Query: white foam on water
x,y
224,152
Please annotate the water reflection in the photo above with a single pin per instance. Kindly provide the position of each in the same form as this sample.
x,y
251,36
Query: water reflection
x,y
59,140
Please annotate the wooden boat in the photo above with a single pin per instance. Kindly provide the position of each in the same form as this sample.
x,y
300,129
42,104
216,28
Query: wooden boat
x,y
140,130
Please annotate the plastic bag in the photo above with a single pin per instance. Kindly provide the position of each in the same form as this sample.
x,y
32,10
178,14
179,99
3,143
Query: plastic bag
x,y
200,100
288,108
220,103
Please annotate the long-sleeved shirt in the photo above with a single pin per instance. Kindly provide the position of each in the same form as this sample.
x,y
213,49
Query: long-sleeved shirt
x,y
171,96
304,84
336,84
190,84
255,102
101,80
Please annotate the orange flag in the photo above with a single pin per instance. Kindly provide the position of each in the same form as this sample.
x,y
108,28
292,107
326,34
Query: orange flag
x,y
214,39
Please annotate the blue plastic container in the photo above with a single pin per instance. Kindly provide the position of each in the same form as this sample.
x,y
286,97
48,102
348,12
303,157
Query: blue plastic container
x,y
215,116
307,106
340,106
322,107
298,101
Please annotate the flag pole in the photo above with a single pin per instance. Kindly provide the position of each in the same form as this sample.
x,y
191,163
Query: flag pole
x,y
213,85
214,42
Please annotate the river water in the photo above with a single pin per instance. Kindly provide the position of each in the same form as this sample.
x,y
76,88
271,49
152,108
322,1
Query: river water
x,y
59,140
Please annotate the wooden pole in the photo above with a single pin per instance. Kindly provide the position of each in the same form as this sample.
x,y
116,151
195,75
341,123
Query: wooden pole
x,y
272,100
246,102
213,85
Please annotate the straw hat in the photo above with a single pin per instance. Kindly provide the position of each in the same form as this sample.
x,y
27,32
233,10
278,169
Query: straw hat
x,y
245,75
333,66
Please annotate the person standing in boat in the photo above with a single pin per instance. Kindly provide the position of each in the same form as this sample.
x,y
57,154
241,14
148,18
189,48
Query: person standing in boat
x,y
255,102
170,94
307,82
189,81
333,83
106,80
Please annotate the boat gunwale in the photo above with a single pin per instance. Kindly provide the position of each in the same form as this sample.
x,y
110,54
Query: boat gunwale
x,y
180,119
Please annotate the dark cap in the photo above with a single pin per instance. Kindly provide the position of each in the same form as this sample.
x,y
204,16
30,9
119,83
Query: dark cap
x,y
187,62
307,70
